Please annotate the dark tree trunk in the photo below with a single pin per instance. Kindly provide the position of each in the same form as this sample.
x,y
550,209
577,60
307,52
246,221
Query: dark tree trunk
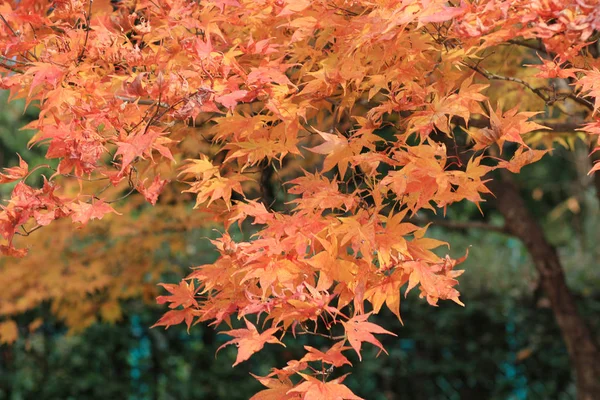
x,y
579,339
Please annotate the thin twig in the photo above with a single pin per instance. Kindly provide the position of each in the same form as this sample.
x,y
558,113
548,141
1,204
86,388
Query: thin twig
x,y
16,34
122,197
523,43
26,232
571,126
580,100
8,26
541,49
10,60
491,76
88,18
144,102
11,68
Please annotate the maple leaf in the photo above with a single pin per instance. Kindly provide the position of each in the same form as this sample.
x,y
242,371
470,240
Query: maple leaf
x,y
44,73
318,193
433,286
313,388
588,85
253,209
552,69
14,173
276,389
359,330
508,126
293,6
222,3
139,145
230,100
338,152
201,168
181,295
439,12
522,158
217,187
368,76
249,340
175,317
152,192
12,252
82,212
388,291
333,356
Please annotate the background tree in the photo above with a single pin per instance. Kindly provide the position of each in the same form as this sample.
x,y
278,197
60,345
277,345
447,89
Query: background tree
x,y
394,96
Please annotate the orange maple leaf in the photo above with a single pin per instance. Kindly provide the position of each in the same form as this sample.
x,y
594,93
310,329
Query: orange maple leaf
x,y
508,126
44,73
181,295
388,291
175,317
338,150
249,340
276,389
358,330
313,388
522,158
333,356
433,286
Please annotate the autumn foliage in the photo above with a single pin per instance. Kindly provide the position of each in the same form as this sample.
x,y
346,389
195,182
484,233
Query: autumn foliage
x,y
326,124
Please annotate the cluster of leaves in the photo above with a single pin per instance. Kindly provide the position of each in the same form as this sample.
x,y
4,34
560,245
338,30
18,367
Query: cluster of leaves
x,y
276,85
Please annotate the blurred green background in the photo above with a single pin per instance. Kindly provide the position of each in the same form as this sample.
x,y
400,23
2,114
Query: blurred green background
x,y
503,345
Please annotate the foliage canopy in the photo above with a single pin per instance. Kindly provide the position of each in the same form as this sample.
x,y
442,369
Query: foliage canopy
x,y
328,124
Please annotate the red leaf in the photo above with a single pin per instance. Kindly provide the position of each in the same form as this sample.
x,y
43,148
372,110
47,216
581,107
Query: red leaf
x,y
83,212
153,191
12,252
13,173
230,100
44,73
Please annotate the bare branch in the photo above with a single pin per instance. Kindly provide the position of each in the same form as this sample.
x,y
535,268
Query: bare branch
x,y
537,47
88,18
144,102
571,126
491,76
549,100
11,68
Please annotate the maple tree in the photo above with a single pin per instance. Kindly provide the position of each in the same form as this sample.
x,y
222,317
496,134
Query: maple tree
x,y
327,124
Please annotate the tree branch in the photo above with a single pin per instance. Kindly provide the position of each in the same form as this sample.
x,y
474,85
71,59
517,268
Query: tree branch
x,y
143,102
541,49
491,76
11,68
88,18
549,100
571,126
15,33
